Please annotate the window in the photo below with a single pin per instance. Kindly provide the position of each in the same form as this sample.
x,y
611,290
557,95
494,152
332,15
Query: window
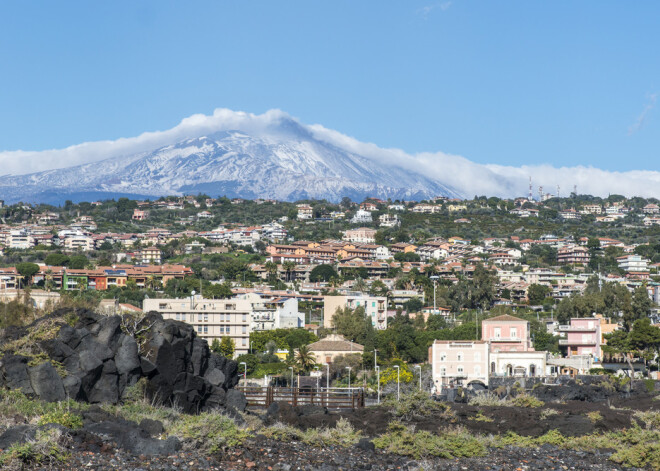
x,y
443,371
459,357
206,317
244,317
244,342
586,338
514,332
199,318
498,332
199,329
245,329
162,306
443,357
460,370
373,304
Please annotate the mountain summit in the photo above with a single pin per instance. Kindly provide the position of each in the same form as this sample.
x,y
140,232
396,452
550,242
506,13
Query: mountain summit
x,y
283,160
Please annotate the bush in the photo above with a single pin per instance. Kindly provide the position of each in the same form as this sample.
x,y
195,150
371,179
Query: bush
x,y
63,418
449,444
525,400
210,431
45,450
418,404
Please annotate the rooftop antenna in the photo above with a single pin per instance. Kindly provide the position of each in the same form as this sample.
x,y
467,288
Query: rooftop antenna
x,y
540,193
530,188
575,190
557,191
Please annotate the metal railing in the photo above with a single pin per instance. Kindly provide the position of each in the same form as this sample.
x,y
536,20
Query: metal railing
x,y
332,398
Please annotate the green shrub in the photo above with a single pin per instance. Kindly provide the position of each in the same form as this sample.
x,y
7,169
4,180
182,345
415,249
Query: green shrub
x,y
62,417
343,434
403,440
45,450
650,385
209,431
418,404
525,400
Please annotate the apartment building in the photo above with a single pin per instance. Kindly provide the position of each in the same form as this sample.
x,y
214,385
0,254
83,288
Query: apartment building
x,y
573,255
586,335
633,263
374,306
361,235
211,318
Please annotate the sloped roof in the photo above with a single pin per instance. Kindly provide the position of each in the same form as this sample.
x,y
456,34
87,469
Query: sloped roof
x,y
505,318
335,343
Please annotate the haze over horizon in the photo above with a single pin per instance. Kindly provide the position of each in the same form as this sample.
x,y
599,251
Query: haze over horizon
x,y
482,95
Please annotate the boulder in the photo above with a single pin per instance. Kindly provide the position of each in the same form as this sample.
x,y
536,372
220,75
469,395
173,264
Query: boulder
x,y
46,383
15,373
236,400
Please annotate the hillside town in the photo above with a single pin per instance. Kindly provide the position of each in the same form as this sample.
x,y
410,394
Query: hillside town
x,y
476,301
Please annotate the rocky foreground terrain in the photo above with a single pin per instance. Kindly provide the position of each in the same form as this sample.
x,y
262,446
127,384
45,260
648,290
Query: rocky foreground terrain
x,y
83,391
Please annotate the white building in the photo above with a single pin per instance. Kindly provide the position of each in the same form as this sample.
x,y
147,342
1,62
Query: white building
x,y
374,306
633,263
269,314
362,217
211,318
389,220
20,239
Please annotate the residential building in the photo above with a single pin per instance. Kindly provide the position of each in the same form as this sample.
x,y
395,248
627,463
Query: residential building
x,y
150,255
507,334
458,362
211,318
583,337
329,348
362,217
633,263
362,235
305,212
374,306
573,255
389,220
140,214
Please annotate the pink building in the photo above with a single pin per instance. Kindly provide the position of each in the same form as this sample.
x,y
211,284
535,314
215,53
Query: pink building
x,y
583,336
458,362
506,334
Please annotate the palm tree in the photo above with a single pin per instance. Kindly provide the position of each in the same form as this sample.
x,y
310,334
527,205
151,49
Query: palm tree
x,y
360,285
271,269
305,359
289,266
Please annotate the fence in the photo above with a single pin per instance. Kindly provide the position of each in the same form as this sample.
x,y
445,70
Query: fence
x,y
332,398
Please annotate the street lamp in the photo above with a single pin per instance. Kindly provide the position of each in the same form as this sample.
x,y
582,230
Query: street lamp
x,y
435,283
375,358
378,382
420,376
245,371
291,368
349,378
398,389
327,375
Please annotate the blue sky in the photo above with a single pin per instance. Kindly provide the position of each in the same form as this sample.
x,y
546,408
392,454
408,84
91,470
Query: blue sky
x,y
508,83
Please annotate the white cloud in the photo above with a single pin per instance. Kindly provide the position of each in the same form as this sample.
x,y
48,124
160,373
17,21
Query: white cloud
x,y
458,172
426,10
641,119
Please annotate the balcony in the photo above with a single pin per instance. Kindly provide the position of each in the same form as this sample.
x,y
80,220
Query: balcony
x,y
575,328
575,343
505,339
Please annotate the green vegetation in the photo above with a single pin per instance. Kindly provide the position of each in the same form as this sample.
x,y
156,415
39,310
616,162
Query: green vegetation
x,y
451,443
45,450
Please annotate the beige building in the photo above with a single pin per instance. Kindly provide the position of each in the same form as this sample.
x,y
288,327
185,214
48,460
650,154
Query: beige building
x,y
459,362
374,306
327,349
211,318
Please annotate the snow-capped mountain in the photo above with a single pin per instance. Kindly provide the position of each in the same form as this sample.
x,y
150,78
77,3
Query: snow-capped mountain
x,y
285,162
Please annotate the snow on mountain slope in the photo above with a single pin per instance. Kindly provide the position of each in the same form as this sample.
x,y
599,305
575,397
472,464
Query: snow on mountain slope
x,y
287,164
